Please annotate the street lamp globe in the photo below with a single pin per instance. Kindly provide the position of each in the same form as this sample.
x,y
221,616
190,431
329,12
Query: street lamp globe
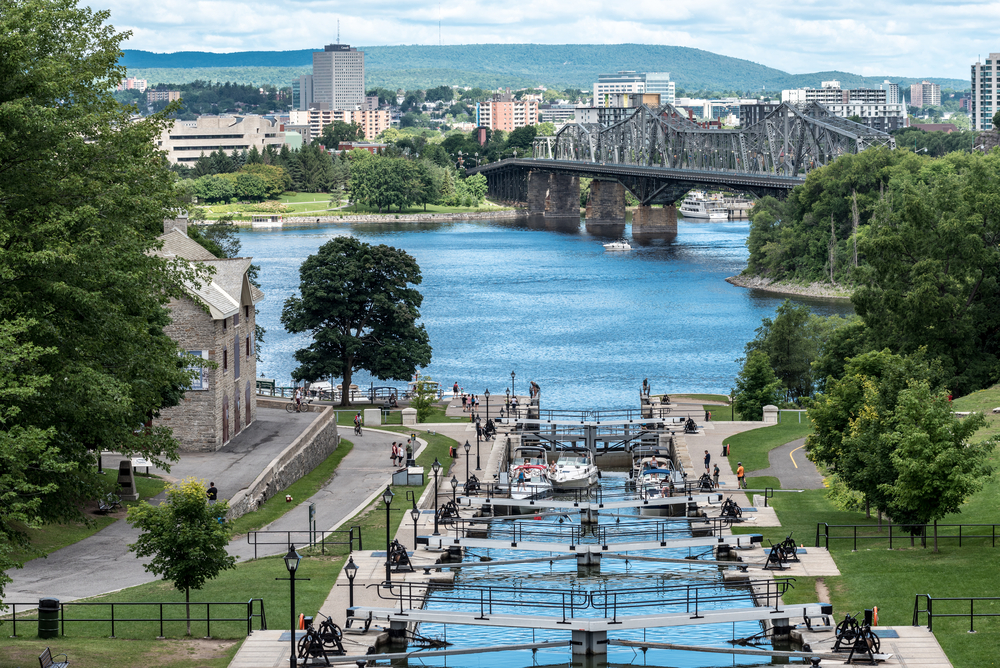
x,y
414,514
351,569
292,559
454,482
467,447
387,496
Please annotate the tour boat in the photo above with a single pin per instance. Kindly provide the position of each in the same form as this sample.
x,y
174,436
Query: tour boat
x,y
574,472
697,205
620,245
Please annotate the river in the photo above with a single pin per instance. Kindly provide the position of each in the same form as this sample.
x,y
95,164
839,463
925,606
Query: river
x,y
549,303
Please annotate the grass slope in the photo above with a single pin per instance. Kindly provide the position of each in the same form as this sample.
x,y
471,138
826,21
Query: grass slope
x,y
751,447
565,65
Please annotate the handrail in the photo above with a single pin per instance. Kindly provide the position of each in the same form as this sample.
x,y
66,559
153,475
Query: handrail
x,y
929,609
854,536
575,534
208,618
309,538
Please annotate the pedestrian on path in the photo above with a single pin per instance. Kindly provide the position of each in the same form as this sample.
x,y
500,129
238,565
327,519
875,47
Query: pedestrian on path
x,y
740,476
708,459
715,476
454,389
463,403
213,493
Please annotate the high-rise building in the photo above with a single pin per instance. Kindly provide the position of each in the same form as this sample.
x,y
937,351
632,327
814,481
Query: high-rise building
x,y
302,89
660,83
925,94
891,92
871,105
985,90
338,77
503,112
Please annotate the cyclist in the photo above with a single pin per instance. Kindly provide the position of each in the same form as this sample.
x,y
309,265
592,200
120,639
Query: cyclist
x,y
298,399
357,423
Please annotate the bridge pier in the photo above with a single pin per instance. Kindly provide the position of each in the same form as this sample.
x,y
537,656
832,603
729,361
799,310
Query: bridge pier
x,y
588,563
606,202
649,219
538,190
564,196
397,634
590,642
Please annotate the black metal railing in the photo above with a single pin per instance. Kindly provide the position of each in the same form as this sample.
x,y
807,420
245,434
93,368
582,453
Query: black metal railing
x,y
603,534
610,603
254,612
306,538
898,532
929,609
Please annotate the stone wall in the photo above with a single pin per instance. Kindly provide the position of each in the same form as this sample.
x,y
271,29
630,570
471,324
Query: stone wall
x,y
538,190
564,196
606,202
392,218
655,218
319,440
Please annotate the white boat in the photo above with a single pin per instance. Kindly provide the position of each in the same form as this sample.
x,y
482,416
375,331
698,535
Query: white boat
x,y
574,472
529,480
620,245
655,482
697,205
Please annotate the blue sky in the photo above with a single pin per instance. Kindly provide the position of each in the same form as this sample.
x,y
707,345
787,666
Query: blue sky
x,y
940,38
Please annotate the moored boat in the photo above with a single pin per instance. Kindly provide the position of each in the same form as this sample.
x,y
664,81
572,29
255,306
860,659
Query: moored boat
x,y
573,472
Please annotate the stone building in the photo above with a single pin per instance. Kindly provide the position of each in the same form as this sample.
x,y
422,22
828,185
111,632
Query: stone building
x,y
215,322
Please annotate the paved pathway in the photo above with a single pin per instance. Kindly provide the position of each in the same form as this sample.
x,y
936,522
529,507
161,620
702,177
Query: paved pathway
x,y
790,465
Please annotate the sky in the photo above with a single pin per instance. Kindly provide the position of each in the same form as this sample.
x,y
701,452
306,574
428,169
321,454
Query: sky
x,y
886,37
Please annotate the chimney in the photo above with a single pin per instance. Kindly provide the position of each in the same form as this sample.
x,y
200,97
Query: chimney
x,y
179,223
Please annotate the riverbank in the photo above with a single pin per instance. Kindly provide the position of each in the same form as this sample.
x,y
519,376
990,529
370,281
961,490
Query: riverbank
x,y
381,218
825,290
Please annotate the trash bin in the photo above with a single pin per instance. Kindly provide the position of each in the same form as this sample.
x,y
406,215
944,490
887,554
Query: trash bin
x,y
48,618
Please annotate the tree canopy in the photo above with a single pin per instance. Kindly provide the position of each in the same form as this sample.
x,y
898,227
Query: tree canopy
x,y
360,304
83,194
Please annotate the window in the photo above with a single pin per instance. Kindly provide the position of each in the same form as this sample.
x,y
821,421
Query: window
x,y
224,323
200,381
225,360
248,346
236,355
236,318
246,311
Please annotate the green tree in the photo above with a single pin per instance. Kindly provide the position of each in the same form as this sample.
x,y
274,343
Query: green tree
x,y
545,129
339,131
360,304
442,93
214,188
756,387
937,467
789,345
996,120
186,536
83,195
275,179
249,187
424,396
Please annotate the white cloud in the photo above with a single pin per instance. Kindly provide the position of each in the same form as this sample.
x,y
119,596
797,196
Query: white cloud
x,y
917,38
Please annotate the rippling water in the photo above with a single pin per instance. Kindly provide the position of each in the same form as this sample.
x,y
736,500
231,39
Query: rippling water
x,y
549,303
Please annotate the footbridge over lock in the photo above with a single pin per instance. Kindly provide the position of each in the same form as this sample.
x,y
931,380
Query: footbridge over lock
x,y
659,154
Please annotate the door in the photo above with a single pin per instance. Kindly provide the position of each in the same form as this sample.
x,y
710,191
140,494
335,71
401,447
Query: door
x,y
236,414
248,403
225,418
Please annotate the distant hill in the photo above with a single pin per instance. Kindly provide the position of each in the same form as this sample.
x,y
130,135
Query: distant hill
x,y
560,65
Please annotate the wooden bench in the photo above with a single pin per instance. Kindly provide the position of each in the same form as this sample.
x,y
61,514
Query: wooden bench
x,y
45,660
108,504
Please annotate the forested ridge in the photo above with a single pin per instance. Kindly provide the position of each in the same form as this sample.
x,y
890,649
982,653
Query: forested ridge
x,y
491,65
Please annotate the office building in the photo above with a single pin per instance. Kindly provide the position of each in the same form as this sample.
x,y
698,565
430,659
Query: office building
x,y
754,111
503,112
310,122
302,89
556,113
891,92
619,106
925,94
338,78
628,82
162,96
985,90
186,141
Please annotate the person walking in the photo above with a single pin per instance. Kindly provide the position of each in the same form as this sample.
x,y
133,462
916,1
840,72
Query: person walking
x,y
463,403
212,492
708,459
741,482
715,476
393,453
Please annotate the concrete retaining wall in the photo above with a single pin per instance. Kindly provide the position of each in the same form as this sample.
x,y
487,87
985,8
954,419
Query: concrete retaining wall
x,y
393,218
315,444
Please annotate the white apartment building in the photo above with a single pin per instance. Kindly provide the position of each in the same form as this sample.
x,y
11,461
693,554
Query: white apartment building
x,y
338,80
870,104
310,122
186,141
985,92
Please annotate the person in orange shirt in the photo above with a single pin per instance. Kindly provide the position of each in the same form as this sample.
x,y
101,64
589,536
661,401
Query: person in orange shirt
x,y
740,479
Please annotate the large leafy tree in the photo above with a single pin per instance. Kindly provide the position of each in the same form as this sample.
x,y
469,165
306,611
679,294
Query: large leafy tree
x,y
339,131
186,536
756,386
360,305
83,194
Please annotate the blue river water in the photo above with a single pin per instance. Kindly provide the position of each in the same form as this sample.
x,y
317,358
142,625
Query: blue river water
x,y
549,303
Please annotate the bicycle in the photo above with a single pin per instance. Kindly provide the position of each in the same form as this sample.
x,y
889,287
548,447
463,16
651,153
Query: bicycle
x,y
357,428
302,407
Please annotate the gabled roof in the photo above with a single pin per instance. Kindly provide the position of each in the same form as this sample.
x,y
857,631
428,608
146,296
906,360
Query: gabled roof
x,y
224,293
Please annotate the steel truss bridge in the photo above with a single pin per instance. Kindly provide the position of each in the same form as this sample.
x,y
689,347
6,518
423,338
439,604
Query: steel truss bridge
x,y
660,154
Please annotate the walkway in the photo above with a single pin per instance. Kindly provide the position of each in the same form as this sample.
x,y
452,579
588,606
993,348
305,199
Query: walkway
x,y
791,467
102,562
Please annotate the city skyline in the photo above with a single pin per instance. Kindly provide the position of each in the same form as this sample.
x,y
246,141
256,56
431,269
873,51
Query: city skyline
x,y
913,39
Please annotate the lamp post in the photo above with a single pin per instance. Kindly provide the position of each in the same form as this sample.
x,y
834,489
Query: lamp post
x,y
478,433
436,467
486,393
454,490
512,392
292,560
467,447
387,499
352,571
414,515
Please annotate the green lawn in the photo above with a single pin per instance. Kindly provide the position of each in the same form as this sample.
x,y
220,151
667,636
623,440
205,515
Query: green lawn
x,y
301,490
122,653
431,208
721,413
700,397
751,447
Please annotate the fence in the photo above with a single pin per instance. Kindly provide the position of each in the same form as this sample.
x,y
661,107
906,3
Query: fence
x,y
903,531
929,609
308,538
254,610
